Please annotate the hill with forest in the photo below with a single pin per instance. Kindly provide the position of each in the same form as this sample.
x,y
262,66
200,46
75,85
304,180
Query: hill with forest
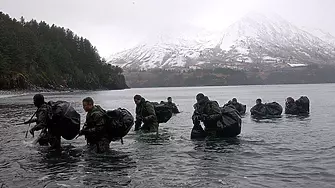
x,y
311,74
35,54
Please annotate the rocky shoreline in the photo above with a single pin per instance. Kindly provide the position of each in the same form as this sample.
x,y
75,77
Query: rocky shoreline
x,y
33,90
40,90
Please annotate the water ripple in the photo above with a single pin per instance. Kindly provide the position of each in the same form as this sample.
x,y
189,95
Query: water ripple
x,y
289,151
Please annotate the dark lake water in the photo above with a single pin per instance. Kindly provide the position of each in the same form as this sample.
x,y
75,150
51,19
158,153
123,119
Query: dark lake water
x,y
284,152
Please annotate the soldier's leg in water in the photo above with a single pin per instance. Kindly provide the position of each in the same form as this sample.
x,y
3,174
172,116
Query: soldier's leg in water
x,y
211,132
138,125
37,127
103,145
197,130
149,127
211,128
154,128
145,127
43,138
55,141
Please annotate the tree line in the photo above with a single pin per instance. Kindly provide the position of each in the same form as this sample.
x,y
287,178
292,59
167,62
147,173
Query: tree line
x,y
225,76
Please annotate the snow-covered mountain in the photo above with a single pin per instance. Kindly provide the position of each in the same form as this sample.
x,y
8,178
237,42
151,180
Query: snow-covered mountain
x,y
166,51
256,39
323,35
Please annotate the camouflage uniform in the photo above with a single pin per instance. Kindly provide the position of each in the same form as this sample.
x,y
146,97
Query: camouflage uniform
x,y
44,123
145,112
258,110
209,113
94,129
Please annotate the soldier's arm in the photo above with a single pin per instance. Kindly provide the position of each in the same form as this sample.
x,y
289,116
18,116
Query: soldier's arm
x,y
41,121
31,121
98,124
138,119
258,110
263,110
215,112
99,121
84,129
151,111
196,120
195,116
255,110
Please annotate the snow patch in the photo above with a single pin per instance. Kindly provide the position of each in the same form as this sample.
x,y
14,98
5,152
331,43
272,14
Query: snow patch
x,y
297,65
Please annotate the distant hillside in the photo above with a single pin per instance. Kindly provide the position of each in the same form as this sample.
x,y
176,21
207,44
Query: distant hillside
x,y
37,54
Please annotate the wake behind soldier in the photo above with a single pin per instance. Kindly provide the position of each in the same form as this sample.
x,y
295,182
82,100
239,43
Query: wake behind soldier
x,y
44,122
94,128
145,113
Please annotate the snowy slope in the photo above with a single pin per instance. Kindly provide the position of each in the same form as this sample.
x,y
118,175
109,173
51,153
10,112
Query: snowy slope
x,y
265,38
323,35
255,39
166,52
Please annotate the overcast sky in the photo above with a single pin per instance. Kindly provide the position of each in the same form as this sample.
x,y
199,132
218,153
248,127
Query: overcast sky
x,y
115,25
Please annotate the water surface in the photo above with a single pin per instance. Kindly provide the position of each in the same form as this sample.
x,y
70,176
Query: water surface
x,y
285,152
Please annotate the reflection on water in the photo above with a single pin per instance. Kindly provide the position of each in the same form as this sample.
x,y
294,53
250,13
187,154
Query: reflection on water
x,y
152,138
109,169
291,151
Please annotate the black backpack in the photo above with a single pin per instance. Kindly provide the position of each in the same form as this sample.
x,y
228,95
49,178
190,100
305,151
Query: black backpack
x,y
119,123
231,121
274,109
163,112
65,120
303,104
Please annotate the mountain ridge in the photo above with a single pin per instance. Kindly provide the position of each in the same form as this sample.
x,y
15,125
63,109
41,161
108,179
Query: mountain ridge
x,y
254,40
